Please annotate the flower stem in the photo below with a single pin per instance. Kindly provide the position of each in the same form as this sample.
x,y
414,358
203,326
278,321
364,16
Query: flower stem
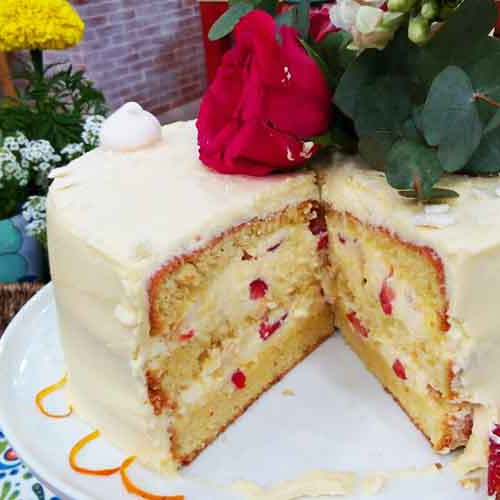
x,y
37,59
487,99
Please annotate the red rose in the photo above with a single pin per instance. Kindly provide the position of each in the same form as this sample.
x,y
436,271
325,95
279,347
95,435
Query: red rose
x,y
267,99
320,23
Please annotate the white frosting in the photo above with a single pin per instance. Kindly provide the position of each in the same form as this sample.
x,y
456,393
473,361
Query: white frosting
x,y
130,128
113,219
470,251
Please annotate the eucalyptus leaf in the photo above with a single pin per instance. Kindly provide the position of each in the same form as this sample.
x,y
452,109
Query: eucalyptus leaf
x,y
455,42
225,24
493,123
269,6
303,8
450,118
486,158
382,108
412,165
287,18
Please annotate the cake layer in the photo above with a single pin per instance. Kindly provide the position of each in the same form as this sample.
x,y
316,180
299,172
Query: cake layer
x,y
233,318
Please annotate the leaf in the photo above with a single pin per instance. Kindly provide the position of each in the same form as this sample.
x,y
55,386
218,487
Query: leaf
x,y
333,50
303,8
319,61
269,6
288,18
225,24
450,118
397,59
413,166
435,195
493,123
455,42
486,158
382,108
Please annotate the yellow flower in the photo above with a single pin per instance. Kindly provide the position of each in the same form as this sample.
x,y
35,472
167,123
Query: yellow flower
x,y
38,24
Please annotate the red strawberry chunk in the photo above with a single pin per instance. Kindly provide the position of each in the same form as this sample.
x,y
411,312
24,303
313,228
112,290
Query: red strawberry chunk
x,y
322,242
399,369
387,296
494,461
258,289
357,324
186,336
318,224
274,247
246,256
341,239
266,329
239,379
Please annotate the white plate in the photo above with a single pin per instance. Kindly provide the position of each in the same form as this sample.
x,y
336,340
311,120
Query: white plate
x,y
339,419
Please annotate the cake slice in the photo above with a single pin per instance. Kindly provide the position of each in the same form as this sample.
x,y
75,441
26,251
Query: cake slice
x,y
182,294
415,289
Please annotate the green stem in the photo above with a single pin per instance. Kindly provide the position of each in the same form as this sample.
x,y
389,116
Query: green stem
x,y
37,59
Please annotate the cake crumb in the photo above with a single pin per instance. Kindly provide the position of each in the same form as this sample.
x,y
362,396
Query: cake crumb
x,y
470,484
438,465
288,392
374,483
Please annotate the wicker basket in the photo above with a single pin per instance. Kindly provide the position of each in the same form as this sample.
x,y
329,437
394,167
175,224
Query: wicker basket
x,y
12,298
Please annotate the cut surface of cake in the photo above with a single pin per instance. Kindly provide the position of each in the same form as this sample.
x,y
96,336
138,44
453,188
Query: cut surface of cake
x,y
182,294
415,289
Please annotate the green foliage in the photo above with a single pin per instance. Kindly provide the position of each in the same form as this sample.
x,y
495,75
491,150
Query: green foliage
x,y
52,107
225,24
451,102
426,110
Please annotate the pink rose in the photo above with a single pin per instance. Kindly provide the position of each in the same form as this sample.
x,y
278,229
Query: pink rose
x,y
267,99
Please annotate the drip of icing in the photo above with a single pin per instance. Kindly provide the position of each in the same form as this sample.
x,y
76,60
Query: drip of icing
x,y
313,484
46,392
130,128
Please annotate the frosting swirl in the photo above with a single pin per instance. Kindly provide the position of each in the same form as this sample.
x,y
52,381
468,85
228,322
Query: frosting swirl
x,y
130,128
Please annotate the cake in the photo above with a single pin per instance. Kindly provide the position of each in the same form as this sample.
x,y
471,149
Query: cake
x,y
183,294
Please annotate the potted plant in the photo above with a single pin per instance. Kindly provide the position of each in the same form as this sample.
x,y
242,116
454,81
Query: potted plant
x,y
54,117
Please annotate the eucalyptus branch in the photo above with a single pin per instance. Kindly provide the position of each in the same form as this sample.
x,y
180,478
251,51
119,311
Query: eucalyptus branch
x,y
481,97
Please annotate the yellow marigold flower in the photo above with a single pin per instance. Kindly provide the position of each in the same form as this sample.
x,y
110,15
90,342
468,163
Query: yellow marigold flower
x,y
38,24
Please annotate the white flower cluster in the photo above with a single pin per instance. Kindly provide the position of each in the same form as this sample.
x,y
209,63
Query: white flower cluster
x,y
34,212
72,151
41,158
11,170
91,130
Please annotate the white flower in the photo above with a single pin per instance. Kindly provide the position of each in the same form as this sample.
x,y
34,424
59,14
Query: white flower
x,y
344,13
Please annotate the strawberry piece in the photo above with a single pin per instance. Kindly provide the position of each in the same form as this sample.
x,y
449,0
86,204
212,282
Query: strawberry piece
x,y
386,296
494,461
341,239
266,329
274,247
258,289
399,369
186,336
246,256
352,317
322,242
317,225
239,379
